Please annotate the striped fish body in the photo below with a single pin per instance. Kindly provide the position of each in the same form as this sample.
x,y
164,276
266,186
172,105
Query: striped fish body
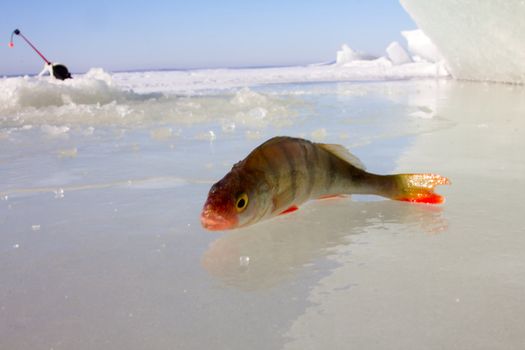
x,y
285,172
297,170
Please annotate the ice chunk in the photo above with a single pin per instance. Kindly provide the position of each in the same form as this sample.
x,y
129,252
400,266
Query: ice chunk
x,y
206,136
52,130
68,153
253,134
347,54
96,86
244,260
59,193
228,127
161,134
88,131
99,74
397,54
421,46
246,96
480,40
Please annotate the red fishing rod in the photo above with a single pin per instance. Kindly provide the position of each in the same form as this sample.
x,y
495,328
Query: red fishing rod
x,y
17,32
59,71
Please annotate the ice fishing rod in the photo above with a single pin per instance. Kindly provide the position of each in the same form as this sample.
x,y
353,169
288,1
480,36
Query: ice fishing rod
x,y
57,70
17,32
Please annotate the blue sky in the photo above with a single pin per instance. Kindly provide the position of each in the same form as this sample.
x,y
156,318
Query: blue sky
x,y
129,35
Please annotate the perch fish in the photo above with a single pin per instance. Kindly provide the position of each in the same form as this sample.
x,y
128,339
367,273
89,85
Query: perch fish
x,y
284,172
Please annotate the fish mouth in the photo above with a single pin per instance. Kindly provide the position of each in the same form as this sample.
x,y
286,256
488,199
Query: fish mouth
x,y
212,221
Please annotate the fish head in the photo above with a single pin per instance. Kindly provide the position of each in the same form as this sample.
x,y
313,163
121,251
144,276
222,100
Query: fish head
x,y
233,201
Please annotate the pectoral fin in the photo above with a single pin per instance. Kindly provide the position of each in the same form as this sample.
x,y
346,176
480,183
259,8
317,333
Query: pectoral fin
x,y
289,210
331,196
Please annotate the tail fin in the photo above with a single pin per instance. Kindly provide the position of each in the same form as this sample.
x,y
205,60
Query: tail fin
x,y
419,188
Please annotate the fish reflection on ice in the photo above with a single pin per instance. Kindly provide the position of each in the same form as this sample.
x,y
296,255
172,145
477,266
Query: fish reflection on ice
x,y
265,255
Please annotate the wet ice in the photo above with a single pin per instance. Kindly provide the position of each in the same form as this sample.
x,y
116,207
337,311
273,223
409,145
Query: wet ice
x,y
123,238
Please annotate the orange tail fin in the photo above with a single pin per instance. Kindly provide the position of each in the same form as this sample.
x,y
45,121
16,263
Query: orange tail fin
x,y
419,188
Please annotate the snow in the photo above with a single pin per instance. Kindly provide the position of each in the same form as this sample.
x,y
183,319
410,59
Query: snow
x,y
480,40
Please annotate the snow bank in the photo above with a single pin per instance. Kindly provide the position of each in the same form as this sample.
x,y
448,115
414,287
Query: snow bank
x,y
480,40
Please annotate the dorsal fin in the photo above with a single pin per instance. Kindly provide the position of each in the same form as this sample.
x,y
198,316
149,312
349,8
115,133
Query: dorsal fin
x,y
343,154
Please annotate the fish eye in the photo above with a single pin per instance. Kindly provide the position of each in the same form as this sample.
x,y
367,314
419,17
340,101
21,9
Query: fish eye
x,y
242,202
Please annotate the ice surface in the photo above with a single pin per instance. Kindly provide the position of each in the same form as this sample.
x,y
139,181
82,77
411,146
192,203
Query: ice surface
x,y
121,261
397,54
103,179
479,40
